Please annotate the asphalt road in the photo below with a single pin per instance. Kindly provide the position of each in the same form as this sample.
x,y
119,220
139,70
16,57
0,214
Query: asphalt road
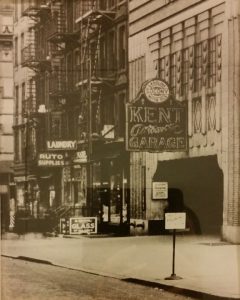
x,y
29,280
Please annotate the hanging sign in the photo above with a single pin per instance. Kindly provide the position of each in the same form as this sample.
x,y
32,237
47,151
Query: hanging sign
x,y
156,121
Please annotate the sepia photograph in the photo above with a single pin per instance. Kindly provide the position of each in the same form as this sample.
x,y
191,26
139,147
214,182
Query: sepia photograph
x,y
120,149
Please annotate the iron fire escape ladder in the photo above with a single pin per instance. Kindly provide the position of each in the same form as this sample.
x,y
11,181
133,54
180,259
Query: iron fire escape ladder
x,y
85,40
97,53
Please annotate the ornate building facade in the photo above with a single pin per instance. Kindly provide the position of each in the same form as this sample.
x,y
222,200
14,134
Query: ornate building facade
x,y
193,47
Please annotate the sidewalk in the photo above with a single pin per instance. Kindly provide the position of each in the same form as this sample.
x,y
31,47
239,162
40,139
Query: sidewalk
x,y
205,264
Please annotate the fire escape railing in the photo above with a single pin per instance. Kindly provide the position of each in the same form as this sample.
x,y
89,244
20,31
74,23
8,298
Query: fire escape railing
x,y
57,83
57,25
28,54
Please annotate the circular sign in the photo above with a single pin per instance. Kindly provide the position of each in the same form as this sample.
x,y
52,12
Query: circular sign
x,y
156,91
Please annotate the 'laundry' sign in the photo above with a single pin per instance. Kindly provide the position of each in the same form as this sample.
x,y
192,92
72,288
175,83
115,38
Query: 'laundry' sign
x,y
61,145
156,122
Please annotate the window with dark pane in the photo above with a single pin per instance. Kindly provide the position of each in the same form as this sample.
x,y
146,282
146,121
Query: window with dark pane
x,y
198,68
121,115
173,72
212,63
185,72
122,47
162,68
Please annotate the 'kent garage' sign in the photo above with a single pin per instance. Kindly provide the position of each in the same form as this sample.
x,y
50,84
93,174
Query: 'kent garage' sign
x,y
156,121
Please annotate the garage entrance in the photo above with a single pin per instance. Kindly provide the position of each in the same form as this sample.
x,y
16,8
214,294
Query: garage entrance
x,y
201,182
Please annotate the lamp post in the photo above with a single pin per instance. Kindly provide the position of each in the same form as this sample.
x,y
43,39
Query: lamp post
x,y
90,131
26,198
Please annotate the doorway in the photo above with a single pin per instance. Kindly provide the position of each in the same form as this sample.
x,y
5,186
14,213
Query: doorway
x,y
201,182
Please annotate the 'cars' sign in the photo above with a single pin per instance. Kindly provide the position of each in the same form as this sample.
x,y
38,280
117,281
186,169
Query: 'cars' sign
x,y
156,121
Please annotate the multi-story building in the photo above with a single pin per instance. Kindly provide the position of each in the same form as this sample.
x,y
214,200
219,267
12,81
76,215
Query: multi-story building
x,y
6,112
70,91
191,46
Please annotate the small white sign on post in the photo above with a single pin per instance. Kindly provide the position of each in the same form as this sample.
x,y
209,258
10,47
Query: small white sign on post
x,y
175,220
159,190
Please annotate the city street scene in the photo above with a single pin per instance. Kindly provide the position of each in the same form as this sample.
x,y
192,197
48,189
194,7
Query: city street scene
x,y
120,149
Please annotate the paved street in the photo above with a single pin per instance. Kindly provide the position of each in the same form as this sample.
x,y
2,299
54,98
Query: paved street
x,y
206,264
28,280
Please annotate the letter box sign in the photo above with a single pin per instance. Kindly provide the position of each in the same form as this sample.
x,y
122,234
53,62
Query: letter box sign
x,y
156,121
50,159
83,225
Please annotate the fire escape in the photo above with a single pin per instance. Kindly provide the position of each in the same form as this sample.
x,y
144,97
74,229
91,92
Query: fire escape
x,y
35,58
94,76
89,76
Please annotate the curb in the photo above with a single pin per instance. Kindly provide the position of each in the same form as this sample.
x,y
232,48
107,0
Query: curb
x,y
166,287
31,259
177,290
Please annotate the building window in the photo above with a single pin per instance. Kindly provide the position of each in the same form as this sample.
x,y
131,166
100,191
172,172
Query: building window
x,y
15,10
212,63
197,115
16,51
185,72
69,74
103,56
198,68
162,68
111,51
22,46
111,3
122,47
211,112
77,62
102,4
173,72
121,115
56,125
16,145
24,104
22,6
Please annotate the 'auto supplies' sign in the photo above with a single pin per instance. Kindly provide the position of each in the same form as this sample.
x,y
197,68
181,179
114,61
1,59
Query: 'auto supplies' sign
x,y
50,160
83,225
156,121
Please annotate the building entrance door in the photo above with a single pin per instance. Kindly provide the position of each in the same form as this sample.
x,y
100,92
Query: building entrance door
x,y
201,183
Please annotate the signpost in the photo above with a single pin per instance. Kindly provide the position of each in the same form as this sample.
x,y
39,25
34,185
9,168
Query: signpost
x,y
174,221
